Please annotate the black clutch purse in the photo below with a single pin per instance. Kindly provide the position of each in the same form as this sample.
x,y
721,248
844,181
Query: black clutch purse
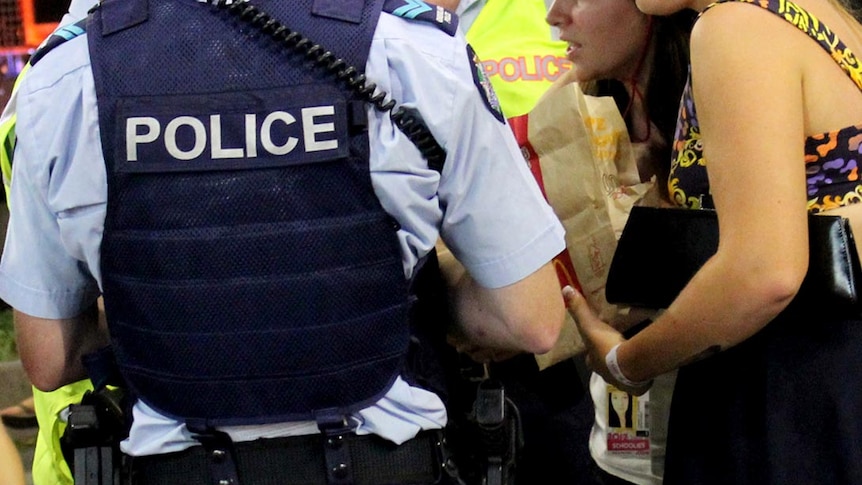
x,y
660,249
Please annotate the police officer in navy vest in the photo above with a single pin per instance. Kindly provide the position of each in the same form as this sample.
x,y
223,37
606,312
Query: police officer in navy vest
x,y
254,212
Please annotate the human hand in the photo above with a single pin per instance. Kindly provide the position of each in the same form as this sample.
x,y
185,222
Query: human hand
x,y
599,338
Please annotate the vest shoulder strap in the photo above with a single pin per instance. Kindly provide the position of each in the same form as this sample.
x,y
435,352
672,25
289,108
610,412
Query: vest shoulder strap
x,y
443,19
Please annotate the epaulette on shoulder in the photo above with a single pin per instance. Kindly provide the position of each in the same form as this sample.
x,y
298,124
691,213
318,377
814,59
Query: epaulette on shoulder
x,y
445,20
59,36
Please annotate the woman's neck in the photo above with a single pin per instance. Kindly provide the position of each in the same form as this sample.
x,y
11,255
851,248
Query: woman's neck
x,y
636,84
637,116
636,113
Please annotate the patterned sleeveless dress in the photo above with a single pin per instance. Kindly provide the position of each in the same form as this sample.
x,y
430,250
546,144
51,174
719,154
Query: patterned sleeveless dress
x,y
785,406
830,158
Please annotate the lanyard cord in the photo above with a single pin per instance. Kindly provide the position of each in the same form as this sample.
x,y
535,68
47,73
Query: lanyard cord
x,y
636,92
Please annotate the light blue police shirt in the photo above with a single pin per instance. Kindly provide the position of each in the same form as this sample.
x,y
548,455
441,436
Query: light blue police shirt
x,y
77,10
486,205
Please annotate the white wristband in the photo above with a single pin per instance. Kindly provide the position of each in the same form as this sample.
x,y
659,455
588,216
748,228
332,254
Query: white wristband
x,y
614,367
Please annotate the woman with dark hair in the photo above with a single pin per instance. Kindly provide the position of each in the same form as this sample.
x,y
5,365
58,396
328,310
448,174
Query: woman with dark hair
x,y
641,61
660,69
773,115
620,415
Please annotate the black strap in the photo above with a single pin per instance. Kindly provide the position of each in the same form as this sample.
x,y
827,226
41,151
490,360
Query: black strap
x,y
336,452
221,457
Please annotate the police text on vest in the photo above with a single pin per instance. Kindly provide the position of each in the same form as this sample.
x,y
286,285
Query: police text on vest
x,y
235,135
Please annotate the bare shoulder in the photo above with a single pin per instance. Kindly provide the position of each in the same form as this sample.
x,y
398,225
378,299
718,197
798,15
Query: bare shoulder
x,y
744,26
739,42
735,41
743,67
737,28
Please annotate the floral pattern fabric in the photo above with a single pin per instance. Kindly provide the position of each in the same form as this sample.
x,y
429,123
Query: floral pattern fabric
x,y
831,159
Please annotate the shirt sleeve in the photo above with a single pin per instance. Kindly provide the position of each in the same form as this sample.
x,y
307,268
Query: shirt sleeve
x,y
43,272
486,204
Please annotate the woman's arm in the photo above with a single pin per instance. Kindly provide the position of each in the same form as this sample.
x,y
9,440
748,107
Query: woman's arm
x,y
748,90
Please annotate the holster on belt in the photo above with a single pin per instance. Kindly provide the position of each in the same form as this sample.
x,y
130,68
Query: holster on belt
x,y
91,442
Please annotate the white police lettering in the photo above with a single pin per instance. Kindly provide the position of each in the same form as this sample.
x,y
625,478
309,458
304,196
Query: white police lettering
x,y
251,135
268,135
133,138
171,137
217,150
312,129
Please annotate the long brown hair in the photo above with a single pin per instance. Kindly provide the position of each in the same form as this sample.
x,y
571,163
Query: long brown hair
x,y
668,73
853,7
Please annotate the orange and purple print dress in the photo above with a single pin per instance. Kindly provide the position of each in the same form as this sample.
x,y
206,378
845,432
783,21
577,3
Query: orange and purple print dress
x,y
831,159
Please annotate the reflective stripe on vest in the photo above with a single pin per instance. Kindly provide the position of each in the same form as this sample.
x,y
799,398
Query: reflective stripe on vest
x,y
10,112
7,134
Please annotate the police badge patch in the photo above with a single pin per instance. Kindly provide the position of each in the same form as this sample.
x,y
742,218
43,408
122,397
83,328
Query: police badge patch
x,y
484,84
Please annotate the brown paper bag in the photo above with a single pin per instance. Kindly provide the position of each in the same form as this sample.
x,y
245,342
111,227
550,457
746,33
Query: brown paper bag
x,y
580,153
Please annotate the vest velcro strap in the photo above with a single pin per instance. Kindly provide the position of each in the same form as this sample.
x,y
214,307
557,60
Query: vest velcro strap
x,y
347,10
119,15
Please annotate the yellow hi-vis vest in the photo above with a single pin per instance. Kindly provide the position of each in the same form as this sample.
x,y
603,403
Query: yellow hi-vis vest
x,y
49,466
7,133
518,52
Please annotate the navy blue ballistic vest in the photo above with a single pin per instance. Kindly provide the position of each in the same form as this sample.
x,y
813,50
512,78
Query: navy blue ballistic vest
x,y
250,274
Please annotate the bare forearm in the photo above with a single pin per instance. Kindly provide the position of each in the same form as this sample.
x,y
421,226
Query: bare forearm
x,y
51,349
525,316
477,320
695,326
